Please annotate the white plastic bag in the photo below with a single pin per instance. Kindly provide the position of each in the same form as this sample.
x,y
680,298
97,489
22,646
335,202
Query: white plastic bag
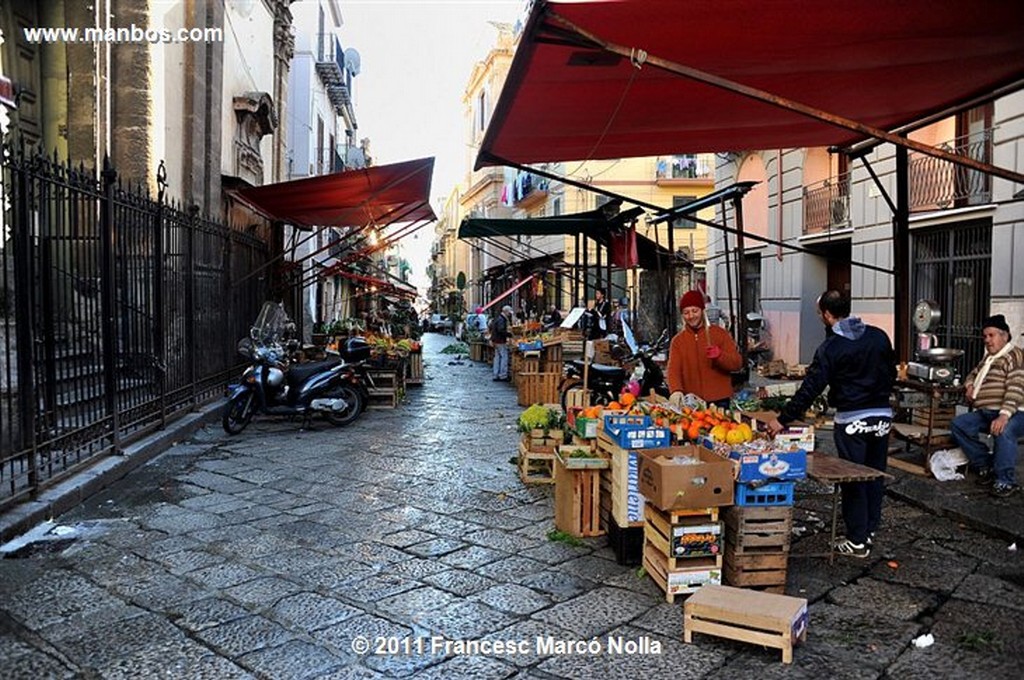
x,y
944,464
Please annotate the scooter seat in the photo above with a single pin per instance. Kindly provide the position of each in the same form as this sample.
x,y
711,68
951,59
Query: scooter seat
x,y
602,369
300,373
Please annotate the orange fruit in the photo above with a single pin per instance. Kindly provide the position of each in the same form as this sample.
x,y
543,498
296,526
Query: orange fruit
x,y
615,406
627,398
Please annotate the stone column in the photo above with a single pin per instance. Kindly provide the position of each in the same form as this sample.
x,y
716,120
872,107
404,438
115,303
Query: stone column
x,y
284,50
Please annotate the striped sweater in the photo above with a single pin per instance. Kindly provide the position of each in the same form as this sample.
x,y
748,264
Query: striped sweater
x,y
1003,388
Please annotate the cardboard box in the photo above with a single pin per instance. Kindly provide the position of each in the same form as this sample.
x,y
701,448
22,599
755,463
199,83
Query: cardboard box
x,y
671,485
781,465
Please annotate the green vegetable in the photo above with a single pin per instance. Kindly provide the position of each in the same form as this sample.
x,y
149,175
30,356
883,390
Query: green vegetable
x,y
538,417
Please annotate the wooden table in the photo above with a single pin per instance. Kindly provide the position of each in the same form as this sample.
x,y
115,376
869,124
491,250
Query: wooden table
x,y
928,434
835,471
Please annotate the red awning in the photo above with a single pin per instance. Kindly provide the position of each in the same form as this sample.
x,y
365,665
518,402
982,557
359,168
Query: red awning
x,y
382,195
880,63
383,287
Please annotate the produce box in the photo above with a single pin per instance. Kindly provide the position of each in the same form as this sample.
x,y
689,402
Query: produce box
x,y
636,432
531,345
753,466
681,477
586,427
798,435
580,458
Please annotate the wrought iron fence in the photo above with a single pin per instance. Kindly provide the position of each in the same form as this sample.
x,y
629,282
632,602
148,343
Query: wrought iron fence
x,y
827,205
937,184
117,314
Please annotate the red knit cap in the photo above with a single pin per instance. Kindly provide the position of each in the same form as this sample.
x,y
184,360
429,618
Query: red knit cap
x,y
692,298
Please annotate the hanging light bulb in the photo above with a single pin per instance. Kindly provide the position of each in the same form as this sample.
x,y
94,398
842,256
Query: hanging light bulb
x,y
374,240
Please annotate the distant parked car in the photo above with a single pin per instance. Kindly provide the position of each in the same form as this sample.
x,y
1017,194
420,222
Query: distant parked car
x,y
440,323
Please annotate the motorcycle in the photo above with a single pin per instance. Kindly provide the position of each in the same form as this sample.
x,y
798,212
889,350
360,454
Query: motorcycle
x,y
605,383
273,385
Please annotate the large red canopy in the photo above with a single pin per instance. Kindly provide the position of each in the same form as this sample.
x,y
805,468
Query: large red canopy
x,y
382,195
882,63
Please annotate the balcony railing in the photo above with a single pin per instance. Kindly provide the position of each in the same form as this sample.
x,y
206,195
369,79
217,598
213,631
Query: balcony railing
x,y
936,184
330,66
687,166
827,205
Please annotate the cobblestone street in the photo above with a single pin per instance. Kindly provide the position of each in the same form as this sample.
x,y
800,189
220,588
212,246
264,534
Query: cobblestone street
x,y
272,554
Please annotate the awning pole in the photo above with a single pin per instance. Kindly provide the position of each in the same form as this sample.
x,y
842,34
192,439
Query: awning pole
x,y
791,105
901,256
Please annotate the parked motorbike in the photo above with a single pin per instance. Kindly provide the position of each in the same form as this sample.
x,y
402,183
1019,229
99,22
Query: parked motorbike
x,y
274,385
606,383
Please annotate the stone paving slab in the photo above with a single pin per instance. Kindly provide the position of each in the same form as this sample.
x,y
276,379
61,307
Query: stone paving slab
x,y
274,553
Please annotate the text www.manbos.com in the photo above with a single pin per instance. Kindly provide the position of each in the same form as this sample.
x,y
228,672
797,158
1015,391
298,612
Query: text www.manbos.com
x,y
130,34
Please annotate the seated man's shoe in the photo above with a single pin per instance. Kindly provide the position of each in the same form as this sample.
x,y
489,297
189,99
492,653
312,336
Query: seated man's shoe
x,y
985,477
1004,490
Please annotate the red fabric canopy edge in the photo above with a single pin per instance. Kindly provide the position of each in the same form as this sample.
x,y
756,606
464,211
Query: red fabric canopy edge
x,y
380,194
879,63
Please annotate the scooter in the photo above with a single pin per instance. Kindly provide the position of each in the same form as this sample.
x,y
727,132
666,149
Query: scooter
x,y
272,385
605,383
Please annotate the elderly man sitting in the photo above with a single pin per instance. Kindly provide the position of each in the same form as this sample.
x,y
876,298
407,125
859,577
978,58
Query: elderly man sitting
x,y
995,388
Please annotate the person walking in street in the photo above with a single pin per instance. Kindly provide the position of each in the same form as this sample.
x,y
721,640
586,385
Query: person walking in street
x,y
995,390
601,315
858,365
500,334
701,357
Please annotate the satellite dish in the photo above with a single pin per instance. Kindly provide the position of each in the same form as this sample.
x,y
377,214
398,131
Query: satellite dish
x,y
352,61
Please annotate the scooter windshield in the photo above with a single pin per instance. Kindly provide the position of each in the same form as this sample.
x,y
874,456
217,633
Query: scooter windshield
x,y
269,326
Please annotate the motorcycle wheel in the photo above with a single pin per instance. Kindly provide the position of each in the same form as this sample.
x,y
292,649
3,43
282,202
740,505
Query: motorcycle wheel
x,y
355,406
238,413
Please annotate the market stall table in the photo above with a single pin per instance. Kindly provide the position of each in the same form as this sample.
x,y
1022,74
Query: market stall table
x,y
835,471
934,405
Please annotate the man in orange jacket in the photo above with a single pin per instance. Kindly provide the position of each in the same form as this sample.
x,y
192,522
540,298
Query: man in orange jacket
x,y
701,357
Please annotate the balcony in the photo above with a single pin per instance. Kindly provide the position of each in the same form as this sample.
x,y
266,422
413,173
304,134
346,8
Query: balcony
x,y
936,184
685,169
527,190
330,66
827,206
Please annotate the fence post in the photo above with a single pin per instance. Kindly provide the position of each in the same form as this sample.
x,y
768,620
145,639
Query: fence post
x,y
159,313
25,323
190,309
108,284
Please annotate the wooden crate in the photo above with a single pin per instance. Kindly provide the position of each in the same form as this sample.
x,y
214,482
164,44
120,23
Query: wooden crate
x,y
535,467
386,389
755,570
414,374
626,504
551,357
577,501
765,619
382,398
577,397
758,529
537,441
529,362
941,416
665,535
537,388
476,351
679,581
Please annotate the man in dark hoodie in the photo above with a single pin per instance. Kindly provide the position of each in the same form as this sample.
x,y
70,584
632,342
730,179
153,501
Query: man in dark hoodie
x,y
858,365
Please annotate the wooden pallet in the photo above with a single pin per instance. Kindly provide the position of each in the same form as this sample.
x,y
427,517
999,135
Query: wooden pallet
x,y
759,618
535,467
755,529
578,501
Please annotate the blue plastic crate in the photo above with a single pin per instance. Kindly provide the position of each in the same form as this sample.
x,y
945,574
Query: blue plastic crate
x,y
531,346
617,420
778,493
638,437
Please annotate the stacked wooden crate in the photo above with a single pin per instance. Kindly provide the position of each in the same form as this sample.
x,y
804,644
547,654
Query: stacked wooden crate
x,y
757,540
537,456
622,506
387,387
682,549
578,490
414,372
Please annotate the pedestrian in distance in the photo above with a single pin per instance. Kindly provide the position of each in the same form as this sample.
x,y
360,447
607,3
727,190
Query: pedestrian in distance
x,y
600,316
500,334
701,357
858,365
995,391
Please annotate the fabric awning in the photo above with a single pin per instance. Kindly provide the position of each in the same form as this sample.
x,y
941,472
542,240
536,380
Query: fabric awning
x,y
383,287
592,223
380,195
883,64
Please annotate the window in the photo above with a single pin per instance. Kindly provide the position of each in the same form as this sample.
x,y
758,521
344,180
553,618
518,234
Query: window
x,y
683,222
556,207
482,110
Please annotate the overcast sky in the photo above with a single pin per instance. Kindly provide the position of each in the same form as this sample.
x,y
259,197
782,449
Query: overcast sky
x,y
417,56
